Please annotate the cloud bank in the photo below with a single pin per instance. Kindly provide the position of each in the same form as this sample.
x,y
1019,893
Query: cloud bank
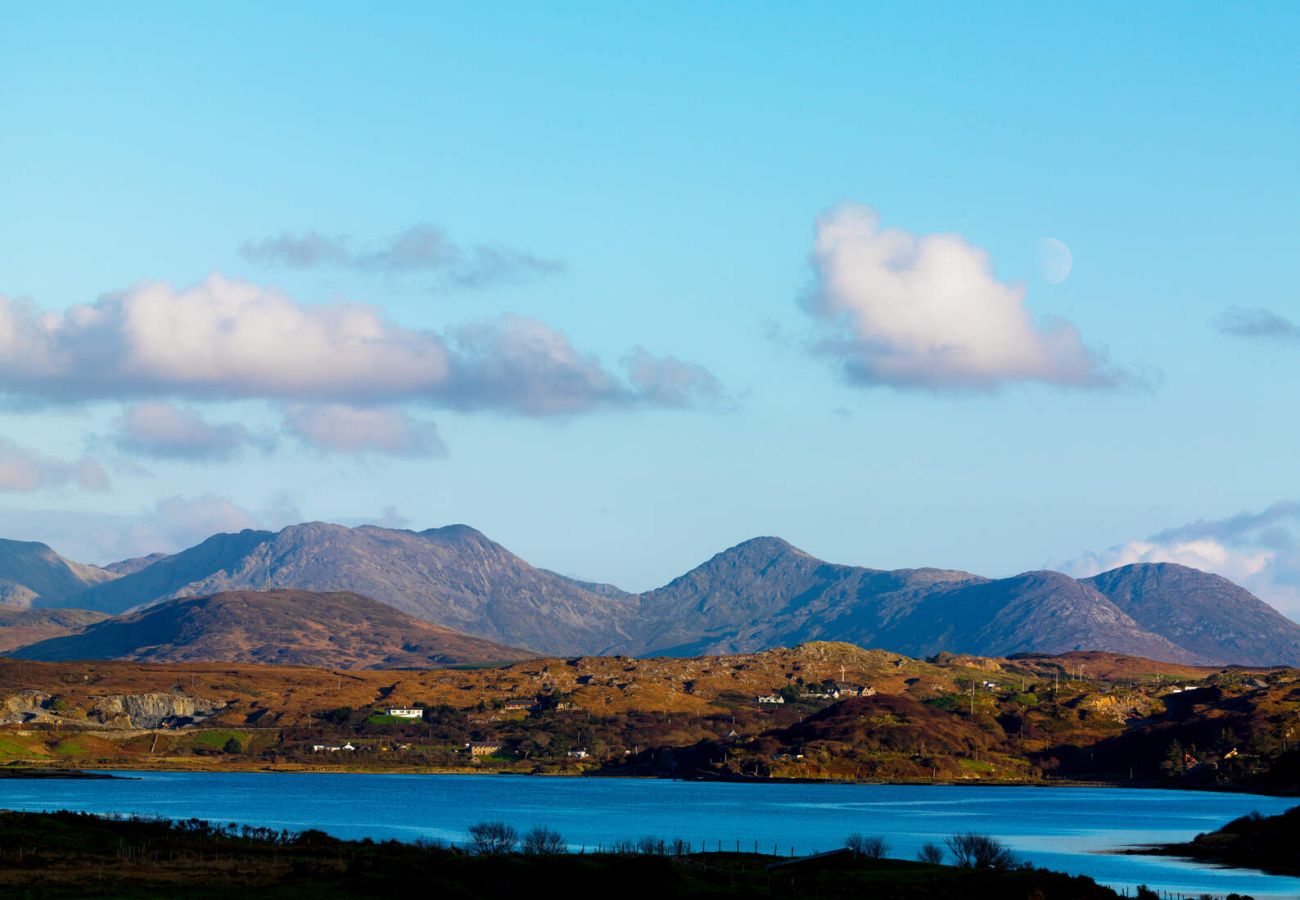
x,y
23,470
230,339
421,249
1256,323
162,430
926,311
1258,550
360,430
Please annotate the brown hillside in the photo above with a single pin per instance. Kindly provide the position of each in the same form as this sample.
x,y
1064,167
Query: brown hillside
x,y
19,627
338,630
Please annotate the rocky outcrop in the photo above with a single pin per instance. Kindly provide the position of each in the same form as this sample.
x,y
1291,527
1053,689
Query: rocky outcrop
x,y
152,710
22,706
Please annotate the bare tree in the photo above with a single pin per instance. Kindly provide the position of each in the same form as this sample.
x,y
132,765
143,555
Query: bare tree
x,y
652,846
930,853
492,838
980,851
872,846
542,841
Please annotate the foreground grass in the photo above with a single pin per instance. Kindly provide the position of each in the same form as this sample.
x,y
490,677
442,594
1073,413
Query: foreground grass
x,y
65,855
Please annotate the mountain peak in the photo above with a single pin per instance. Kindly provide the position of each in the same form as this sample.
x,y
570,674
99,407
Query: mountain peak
x,y
764,546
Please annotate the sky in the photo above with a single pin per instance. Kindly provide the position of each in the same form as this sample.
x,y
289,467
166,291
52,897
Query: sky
x,y
991,287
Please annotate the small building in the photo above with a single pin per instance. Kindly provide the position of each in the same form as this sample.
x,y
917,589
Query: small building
x,y
771,698
398,712
820,695
579,753
855,690
483,748
518,706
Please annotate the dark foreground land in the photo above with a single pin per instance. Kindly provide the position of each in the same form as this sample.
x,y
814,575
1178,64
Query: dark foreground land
x,y
1268,843
64,855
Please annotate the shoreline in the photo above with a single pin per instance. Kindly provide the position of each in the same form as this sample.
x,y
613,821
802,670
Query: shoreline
x,y
105,771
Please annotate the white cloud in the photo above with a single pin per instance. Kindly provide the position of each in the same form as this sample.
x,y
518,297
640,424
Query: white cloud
x,y
220,338
927,311
1258,550
25,470
351,429
225,338
164,431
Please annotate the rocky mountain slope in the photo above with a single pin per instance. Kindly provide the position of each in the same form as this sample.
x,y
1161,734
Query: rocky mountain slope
x,y
284,627
452,576
765,593
32,574
1206,614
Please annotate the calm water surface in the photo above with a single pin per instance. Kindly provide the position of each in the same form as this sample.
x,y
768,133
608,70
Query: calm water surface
x,y
1068,829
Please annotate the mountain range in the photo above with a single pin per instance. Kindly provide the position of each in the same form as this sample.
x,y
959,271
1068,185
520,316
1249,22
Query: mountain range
x,y
759,594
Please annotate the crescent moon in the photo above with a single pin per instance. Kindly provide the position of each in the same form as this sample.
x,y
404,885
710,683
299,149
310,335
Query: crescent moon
x,y
1054,260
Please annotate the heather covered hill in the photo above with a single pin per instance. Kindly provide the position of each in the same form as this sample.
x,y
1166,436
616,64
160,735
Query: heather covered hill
x,y
452,576
806,712
19,627
32,574
1206,614
285,627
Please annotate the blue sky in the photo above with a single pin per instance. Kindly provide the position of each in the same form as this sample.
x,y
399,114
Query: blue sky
x,y
661,177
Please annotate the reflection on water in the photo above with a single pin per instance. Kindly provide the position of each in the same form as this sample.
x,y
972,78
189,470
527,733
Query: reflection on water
x,y
1068,829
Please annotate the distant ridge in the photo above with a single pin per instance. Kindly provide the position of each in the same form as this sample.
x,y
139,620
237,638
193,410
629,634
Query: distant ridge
x,y
453,576
759,594
32,574
285,627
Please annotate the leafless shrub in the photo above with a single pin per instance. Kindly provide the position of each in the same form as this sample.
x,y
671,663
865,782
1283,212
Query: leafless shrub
x,y
872,846
652,846
542,841
492,838
980,851
930,853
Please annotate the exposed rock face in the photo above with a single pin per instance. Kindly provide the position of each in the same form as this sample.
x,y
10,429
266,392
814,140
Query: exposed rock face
x,y
1119,708
21,706
152,710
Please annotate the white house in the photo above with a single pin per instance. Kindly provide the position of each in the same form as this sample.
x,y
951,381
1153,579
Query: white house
x,y
399,713
771,698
